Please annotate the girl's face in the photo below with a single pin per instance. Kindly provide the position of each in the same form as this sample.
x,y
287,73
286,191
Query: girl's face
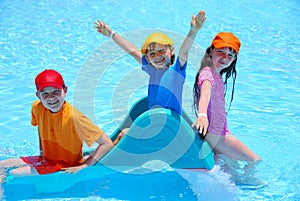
x,y
222,57
159,55
52,98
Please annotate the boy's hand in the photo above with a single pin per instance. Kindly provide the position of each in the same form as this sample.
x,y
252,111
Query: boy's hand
x,y
198,21
102,28
75,169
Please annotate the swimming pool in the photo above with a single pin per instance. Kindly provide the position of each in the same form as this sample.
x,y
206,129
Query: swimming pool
x,y
265,113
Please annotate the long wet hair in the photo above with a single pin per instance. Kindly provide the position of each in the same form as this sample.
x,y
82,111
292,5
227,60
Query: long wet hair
x,y
229,71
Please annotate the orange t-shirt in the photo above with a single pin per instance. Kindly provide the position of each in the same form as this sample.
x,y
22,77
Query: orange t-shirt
x,y
62,134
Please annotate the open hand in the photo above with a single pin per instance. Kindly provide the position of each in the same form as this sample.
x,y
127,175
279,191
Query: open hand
x,y
201,125
75,169
198,20
102,28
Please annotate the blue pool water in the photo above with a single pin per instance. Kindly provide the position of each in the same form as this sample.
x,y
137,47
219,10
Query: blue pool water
x,y
103,81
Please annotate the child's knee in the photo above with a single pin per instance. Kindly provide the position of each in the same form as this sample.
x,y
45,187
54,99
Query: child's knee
x,y
124,131
14,172
23,171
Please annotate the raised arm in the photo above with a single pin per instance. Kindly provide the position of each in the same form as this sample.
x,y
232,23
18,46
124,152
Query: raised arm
x,y
105,30
196,24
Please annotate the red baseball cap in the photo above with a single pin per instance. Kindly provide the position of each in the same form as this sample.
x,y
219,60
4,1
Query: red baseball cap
x,y
226,39
49,78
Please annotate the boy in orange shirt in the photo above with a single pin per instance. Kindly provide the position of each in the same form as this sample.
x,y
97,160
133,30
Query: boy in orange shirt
x,y
62,130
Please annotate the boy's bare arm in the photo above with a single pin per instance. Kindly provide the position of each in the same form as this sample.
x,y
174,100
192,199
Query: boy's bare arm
x,y
104,29
196,24
105,145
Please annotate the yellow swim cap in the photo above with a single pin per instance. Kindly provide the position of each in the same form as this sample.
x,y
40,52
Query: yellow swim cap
x,y
156,37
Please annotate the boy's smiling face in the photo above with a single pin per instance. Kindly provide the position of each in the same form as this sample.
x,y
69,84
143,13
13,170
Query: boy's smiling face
x,y
159,55
52,98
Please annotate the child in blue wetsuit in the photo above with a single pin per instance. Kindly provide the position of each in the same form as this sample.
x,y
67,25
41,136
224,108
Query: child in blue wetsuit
x,y
165,83
157,58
